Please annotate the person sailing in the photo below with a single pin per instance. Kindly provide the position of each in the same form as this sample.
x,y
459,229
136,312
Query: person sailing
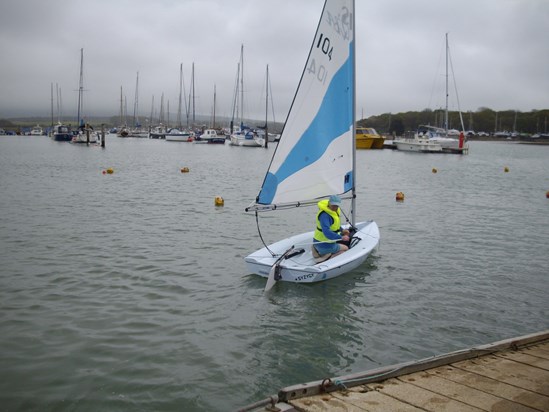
x,y
328,230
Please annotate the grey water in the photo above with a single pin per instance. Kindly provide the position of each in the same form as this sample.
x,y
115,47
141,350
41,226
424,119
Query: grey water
x,y
128,291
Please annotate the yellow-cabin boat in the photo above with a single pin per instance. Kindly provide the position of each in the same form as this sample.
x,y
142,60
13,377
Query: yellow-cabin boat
x,y
368,138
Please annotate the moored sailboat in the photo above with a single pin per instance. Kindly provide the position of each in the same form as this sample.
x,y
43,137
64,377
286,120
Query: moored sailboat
x,y
451,140
315,157
243,136
85,133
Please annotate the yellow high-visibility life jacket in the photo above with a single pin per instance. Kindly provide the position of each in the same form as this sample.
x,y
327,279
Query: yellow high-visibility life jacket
x,y
336,225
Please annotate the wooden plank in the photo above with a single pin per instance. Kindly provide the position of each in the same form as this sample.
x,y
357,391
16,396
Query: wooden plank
x,y
420,397
491,386
526,358
374,401
541,351
508,371
324,403
463,393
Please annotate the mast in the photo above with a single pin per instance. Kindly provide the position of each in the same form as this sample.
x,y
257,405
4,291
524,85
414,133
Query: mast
x,y
161,114
446,111
353,51
242,86
188,106
267,109
52,106
80,87
214,109
183,96
235,100
179,103
168,113
152,109
136,103
193,96
121,108
59,102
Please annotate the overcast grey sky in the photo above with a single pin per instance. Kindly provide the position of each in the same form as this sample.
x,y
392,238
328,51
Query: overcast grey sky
x,y
499,52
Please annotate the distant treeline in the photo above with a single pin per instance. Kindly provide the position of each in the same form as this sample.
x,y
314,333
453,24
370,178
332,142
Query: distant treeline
x,y
483,120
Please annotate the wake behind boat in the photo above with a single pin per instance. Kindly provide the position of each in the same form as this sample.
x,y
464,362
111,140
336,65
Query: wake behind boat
x,y
315,157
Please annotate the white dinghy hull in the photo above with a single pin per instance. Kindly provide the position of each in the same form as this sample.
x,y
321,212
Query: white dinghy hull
x,y
302,268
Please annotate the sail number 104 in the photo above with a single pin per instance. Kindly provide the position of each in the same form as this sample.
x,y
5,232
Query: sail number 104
x,y
324,45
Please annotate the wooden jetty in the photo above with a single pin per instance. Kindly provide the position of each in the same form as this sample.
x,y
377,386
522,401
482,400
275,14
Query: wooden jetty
x,y
506,376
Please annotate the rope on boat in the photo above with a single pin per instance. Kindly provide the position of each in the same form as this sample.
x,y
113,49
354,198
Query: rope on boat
x,y
260,236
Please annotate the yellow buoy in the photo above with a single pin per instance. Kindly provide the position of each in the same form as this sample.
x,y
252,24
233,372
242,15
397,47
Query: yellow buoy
x,y
219,201
506,169
434,170
184,170
399,197
110,171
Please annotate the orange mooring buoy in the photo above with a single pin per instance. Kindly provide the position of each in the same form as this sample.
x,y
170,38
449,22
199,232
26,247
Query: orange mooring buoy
x,y
184,170
547,195
110,171
434,170
219,201
399,197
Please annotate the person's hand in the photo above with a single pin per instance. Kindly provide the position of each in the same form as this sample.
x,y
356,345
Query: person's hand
x,y
345,238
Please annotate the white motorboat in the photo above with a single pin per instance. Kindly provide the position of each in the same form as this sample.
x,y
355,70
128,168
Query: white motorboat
x,y
211,136
61,133
418,144
36,131
176,135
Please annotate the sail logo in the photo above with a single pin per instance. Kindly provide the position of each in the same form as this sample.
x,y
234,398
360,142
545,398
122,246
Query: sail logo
x,y
341,23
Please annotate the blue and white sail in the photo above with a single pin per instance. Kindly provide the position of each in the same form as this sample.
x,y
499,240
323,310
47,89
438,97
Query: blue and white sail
x,y
315,155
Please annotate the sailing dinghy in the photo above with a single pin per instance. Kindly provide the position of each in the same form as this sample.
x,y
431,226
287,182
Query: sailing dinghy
x,y
315,157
